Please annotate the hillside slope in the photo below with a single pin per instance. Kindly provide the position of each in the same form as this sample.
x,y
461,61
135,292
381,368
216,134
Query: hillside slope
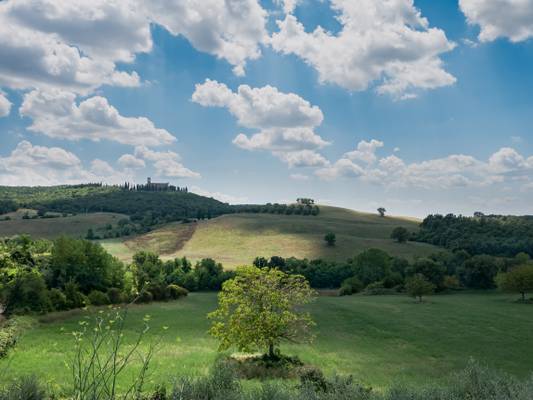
x,y
49,228
238,238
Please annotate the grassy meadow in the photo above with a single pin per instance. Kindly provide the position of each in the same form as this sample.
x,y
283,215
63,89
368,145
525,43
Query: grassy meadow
x,y
375,338
49,228
238,238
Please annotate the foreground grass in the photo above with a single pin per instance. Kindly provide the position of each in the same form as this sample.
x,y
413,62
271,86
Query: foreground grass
x,y
376,338
237,239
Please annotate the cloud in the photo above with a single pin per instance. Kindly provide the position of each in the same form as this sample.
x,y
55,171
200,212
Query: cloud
x,y
55,114
285,121
73,45
131,162
5,105
225,198
299,177
166,163
387,42
76,45
34,165
512,19
455,170
366,151
302,158
228,29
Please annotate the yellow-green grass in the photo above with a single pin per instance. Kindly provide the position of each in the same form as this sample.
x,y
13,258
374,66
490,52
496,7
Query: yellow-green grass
x,y
378,339
49,228
238,238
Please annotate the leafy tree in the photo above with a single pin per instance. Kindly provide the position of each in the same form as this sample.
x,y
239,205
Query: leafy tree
x,y
400,234
518,280
372,265
85,263
260,262
418,286
330,238
431,270
382,211
479,272
260,308
25,292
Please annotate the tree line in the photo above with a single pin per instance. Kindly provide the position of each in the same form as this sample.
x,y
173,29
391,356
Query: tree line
x,y
497,235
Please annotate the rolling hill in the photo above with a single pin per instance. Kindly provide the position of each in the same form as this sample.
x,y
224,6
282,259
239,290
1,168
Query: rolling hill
x,y
49,228
237,239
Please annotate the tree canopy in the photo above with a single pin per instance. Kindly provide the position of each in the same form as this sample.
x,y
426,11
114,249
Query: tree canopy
x,y
260,308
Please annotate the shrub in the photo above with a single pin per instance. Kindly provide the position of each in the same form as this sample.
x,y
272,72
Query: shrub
x,y
75,299
350,286
25,293
175,292
10,333
115,296
451,282
400,234
144,297
58,299
98,298
26,388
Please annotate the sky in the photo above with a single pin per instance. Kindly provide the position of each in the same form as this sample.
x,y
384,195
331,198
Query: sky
x,y
418,106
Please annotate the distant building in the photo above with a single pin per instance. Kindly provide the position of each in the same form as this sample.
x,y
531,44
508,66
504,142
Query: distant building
x,y
156,185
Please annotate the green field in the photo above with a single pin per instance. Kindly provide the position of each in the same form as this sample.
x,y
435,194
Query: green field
x,y
237,239
49,228
376,338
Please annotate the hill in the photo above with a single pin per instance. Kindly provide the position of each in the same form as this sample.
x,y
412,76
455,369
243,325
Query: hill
x,y
151,206
237,239
49,228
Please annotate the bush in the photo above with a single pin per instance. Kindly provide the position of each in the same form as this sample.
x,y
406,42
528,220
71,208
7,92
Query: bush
x,y
115,296
144,297
58,299
27,388
25,293
10,333
350,286
98,298
175,292
75,299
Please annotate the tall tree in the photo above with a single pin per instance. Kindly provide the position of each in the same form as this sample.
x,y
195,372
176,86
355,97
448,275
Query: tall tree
x,y
260,308
518,280
382,211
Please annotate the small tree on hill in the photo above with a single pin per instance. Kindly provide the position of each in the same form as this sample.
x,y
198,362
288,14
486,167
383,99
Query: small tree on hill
x,y
330,238
381,211
518,280
260,308
400,234
418,286
90,234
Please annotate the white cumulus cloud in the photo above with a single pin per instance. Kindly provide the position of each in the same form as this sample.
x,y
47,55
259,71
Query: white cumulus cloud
x,y
166,163
285,122
455,170
5,105
55,114
32,165
383,42
512,19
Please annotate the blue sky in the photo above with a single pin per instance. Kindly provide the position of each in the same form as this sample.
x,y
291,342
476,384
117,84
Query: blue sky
x,y
419,107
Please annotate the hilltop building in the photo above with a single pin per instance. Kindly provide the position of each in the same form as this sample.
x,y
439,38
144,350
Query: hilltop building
x,y
156,186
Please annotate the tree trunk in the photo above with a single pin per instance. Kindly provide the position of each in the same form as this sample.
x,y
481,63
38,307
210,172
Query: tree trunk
x,y
523,296
271,353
